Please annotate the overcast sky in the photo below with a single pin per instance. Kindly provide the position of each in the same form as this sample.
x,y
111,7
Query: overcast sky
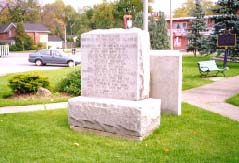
x,y
162,5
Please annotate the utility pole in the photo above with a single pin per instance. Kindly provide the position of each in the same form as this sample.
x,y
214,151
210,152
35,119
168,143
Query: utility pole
x,y
171,27
65,37
146,4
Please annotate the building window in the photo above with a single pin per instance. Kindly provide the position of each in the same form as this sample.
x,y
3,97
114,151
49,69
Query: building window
x,y
184,25
9,33
181,25
178,26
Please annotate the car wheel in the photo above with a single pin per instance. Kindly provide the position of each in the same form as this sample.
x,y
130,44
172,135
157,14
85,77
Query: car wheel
x,y
70,63
38,62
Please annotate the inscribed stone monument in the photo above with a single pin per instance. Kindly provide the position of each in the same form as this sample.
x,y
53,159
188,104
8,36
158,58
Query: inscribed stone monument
x,y
115,64
115,79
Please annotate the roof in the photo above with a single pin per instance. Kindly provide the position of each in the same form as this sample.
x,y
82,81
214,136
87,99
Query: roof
x,y
71,36
54,38
190,18
29,27
5,28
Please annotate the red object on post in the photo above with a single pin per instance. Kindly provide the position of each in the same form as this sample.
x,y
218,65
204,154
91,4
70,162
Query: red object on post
x,y
127,21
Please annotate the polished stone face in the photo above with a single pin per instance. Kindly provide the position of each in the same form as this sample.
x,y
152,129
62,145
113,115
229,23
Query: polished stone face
x,y
115,64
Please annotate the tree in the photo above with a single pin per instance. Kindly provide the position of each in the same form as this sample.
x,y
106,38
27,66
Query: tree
x,y
132,7
138,20
72,20
226,22
195,38
4,16
23,41
33,11
103,16
16,11
20,11
158,32
54,17
184,11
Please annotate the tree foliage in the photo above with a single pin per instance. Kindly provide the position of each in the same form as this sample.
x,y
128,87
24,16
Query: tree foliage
x,y
58,17
23,41
32,11
103,16
4,16
54,17
184,11
138,20
158,33
226,22
195,38
20,11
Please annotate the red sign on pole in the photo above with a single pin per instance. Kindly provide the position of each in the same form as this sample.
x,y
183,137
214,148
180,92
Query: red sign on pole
x,y
127,21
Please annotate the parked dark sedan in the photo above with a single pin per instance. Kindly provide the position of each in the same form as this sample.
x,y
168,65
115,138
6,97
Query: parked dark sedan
x,y
51,56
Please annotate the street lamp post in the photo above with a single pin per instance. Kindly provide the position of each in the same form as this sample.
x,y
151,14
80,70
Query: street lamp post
x,y
171,26
65,37
146,15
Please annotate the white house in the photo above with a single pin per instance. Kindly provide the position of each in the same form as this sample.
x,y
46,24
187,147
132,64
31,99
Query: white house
x,y
55,42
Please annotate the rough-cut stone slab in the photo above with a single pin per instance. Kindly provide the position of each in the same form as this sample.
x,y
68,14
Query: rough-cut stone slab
x,y
166,79
115,64
124,118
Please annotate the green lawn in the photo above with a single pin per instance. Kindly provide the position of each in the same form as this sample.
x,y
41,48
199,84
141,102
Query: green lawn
x,y
54,76
44,136
195,136
191,75
234,100
191,79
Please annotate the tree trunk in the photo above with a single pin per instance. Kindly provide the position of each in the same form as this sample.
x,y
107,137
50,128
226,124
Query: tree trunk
x,y
195,52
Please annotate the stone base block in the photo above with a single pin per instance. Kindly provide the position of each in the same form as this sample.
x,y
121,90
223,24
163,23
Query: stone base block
x,y
120,118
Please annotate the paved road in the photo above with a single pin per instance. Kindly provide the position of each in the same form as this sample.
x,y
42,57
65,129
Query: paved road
x,y
212,97
18,62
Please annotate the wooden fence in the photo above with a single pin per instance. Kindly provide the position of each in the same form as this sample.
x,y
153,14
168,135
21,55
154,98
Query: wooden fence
x,y
4,50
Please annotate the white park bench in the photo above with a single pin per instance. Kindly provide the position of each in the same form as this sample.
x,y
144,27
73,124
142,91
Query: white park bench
x,y
207,66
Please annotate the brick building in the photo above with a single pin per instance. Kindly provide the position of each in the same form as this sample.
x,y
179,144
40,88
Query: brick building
x,y
38,33
181,28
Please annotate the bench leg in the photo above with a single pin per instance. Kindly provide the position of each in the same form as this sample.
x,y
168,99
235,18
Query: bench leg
x,y
220,72
204,73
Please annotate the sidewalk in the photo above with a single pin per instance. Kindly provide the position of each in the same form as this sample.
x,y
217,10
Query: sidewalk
x,y
212,97
16,109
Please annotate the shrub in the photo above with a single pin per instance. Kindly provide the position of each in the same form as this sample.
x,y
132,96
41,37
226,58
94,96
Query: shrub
x,y
28,83
71,83
13,48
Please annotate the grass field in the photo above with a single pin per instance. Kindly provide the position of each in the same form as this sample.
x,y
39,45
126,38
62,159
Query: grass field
x,y
197,136
191,75
234,100
54,76
191,79
44,136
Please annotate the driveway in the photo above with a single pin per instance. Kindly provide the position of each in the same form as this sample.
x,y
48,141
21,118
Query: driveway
x,y
18,62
